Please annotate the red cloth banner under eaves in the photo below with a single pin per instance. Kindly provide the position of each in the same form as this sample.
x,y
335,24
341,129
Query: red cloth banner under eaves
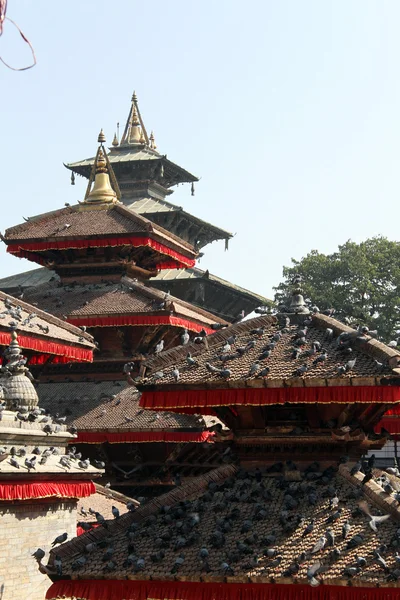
x,y
29,490
22,249
201,401
139,321
47,347
113,589
138,437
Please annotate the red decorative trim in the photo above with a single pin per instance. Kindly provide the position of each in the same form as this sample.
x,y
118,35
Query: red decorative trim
x,y
134,320
180,261
200,401
391,424
30,343
80,531
113,589
27,490
94,437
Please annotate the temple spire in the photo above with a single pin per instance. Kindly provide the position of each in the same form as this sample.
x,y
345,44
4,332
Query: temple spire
x,y
104,191
135,131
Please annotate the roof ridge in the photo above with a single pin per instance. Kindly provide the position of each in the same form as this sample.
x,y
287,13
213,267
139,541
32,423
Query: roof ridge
x,y
155,228
365,343
373,492
109,493
180,352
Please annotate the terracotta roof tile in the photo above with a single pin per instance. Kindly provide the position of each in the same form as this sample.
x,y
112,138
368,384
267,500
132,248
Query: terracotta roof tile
x,y
237,519
103,406
72,223
41,325
281,364
125,298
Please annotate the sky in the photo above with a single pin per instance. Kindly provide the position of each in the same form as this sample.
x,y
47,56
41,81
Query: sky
x,y
288,111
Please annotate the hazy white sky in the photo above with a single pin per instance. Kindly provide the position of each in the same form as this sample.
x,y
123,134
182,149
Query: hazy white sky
x,y
289,112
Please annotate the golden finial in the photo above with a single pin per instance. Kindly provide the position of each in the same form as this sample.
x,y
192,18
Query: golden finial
x,y
135,119
134,97
102,191
102,138
141,139
115,140
152,141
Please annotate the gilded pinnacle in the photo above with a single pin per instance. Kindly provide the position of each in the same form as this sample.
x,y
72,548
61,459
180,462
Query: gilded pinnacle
x,y
102,138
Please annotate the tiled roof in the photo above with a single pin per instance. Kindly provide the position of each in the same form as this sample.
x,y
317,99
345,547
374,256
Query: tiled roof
x,y
196,273
103,406
242,516
282,366
73,223
124,298
125,154
41,324
102,501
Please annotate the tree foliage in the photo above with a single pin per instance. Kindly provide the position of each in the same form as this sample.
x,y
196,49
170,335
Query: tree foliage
x,y
360,281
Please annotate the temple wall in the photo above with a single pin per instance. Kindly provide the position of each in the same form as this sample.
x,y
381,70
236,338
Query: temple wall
x,y
24,527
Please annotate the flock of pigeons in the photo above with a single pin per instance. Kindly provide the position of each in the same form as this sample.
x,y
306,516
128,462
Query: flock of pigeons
x,y
254,522
310,353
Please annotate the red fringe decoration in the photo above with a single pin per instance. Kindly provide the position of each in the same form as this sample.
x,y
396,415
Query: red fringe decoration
x,y
146,321
27,490
175,590
94,437
24,249
30,343
200,401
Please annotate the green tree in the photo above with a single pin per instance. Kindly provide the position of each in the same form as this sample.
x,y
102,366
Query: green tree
x,y
360,281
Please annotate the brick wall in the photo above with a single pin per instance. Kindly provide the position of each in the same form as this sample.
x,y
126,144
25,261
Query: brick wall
x,y
24,527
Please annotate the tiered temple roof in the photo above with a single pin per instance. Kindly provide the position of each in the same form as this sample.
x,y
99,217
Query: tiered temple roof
x,y
145,178
41,335
195,286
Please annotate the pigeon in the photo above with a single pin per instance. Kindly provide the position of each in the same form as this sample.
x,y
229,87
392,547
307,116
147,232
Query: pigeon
x,y
115,512
313,570
30,463
254,368
319,545
158,375
185,337
345,529
381,561
14,463
361,562
227,569
178,563
190,360
175,374
301,370
356,468
309,529
350,364
321,358
211,369
203,553
159,347
60,539
374,521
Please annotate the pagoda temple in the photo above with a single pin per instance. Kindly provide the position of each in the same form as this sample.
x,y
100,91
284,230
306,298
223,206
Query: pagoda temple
x,y
301,514
145,178
101,286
